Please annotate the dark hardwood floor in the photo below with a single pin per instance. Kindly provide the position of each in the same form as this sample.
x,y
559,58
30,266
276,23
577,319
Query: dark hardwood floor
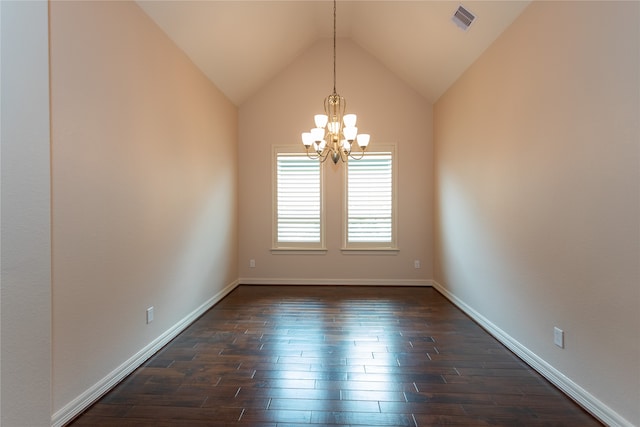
x,y
283,356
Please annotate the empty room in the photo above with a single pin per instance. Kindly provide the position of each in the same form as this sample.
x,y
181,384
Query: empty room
x,y
195,230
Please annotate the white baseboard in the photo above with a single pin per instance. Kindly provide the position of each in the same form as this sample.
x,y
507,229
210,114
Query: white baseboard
x,y
591,404
336,282
86,399
573,390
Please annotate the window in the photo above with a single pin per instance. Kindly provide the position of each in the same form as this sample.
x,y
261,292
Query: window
x,y
298,209
370,202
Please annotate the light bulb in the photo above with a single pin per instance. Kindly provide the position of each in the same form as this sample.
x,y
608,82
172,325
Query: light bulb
x,y
349,120
320,120
350,133
363,139
334,127
318,134
307,139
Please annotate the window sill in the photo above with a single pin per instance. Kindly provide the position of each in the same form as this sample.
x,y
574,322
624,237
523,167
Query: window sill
x,y
298,251
370,251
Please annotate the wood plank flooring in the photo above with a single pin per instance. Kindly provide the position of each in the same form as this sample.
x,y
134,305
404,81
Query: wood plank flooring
x,y
284,356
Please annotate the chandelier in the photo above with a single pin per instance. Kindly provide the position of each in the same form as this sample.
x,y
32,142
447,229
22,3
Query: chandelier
x,y
335,131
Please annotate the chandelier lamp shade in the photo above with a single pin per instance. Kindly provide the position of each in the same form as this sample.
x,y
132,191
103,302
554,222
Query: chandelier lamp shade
x,y
335,131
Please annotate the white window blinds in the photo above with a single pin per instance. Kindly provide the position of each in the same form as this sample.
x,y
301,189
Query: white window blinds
x,y
298,199
370,199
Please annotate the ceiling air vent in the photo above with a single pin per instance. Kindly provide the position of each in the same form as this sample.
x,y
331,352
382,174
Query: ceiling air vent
x,y
463,18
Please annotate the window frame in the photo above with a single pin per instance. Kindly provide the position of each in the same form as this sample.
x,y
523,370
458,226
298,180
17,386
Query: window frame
x,y
278,247
391,247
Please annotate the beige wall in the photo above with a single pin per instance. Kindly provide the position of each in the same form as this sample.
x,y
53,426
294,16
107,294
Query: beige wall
x,y
390,112
25,279
537,204
143,187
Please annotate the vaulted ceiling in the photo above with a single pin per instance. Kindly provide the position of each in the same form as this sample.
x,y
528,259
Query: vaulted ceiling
x,y
240,45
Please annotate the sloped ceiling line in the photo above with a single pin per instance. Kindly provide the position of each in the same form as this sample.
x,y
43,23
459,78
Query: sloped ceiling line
x,y
241,45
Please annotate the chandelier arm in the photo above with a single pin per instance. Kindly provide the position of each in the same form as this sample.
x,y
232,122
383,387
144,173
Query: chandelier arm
x,y
346,152
312,156
324,156
344,156
357,157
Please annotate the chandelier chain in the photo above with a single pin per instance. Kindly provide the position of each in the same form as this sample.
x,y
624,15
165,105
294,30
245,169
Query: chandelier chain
x,y
334,47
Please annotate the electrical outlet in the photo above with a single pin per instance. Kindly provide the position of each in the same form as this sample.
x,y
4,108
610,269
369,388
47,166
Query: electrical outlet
x,y
558,337
416,263
149,314
252,263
